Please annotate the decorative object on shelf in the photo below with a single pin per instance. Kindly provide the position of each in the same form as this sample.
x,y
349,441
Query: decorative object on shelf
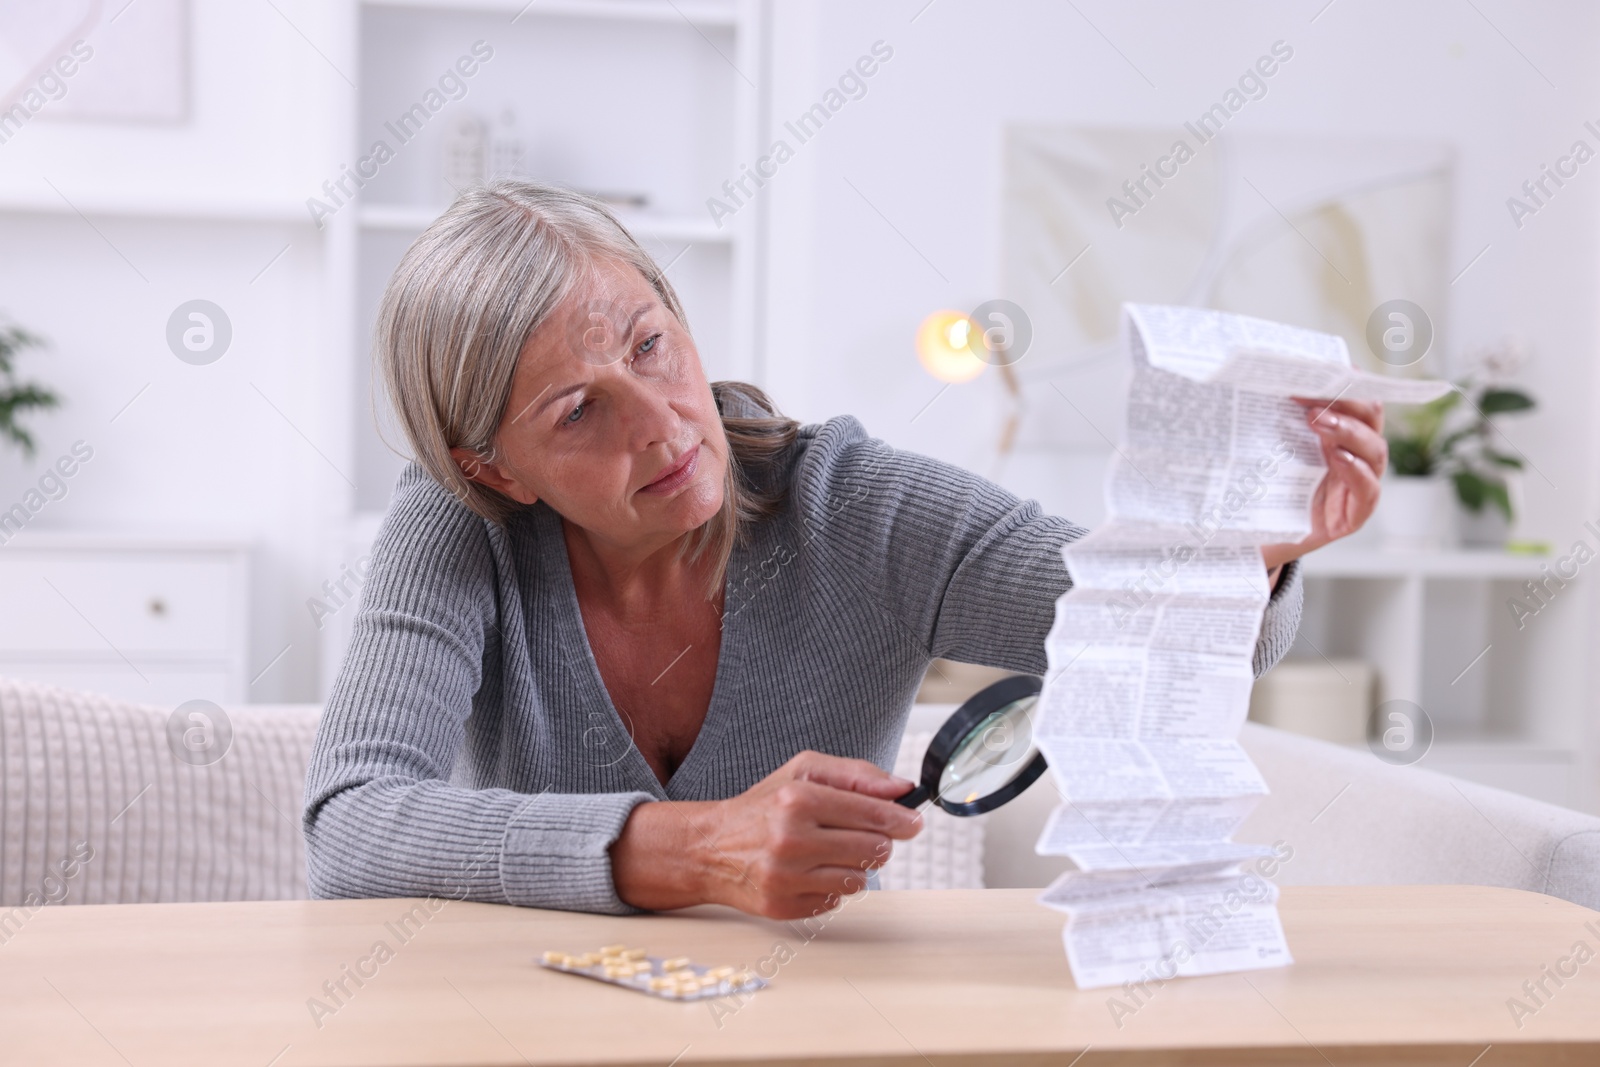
x,y
466,151
1441,442
1329,699
16,396
1483,473
1414,513
507,150
620,198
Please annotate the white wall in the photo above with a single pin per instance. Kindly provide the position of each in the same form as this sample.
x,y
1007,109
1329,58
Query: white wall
x,y
923,146
848,290
202,450
173,213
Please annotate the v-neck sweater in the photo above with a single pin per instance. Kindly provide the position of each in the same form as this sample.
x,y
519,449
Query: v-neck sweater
x,y
469,749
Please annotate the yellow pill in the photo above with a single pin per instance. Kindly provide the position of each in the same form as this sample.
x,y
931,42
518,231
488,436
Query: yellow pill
x,y
588,959
676,964
633,954
719,972
613,950
971,797
555,957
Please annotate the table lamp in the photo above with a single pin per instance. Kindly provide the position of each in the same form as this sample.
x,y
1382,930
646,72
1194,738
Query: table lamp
x,y
944,347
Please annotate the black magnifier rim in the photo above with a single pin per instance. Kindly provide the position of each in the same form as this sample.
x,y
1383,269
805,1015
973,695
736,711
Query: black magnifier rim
x,y
977,708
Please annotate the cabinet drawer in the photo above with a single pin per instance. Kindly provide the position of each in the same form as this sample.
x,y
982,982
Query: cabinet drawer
x,y
132,604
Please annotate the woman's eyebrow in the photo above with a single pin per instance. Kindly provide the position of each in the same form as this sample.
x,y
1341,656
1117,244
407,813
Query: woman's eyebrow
x,y
553,397
534,401
638,313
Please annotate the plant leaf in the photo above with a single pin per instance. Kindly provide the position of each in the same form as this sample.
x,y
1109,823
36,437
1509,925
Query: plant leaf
x,y
1410,457
1453,439
1502,499
1471,490
1500,401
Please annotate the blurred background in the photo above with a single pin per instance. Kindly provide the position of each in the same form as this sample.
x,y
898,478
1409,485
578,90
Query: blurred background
x,y
200,202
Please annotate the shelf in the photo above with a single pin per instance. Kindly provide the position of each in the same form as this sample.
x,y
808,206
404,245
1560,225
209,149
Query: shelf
x,y
696,14
681,228
1457,563
122,539
186,209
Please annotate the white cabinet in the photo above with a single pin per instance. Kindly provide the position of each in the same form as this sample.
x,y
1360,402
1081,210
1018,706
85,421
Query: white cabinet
x,y
1503,690
158,621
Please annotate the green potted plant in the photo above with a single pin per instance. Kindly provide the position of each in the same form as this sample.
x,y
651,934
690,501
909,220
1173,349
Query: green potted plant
x,y
1481,469
17,397
1450,447
1414,512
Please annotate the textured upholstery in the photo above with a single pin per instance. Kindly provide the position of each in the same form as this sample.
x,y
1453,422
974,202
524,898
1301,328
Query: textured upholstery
x,y
95,808
948,854
1410,825
74,770
1353,819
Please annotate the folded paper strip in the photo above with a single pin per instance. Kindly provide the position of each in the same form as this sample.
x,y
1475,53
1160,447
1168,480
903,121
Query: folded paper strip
x,y
1150,656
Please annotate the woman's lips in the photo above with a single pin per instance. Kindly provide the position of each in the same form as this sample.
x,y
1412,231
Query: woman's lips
x,y
678,475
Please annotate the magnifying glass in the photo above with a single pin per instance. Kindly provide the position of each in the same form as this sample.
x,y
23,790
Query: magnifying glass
x,y
984,754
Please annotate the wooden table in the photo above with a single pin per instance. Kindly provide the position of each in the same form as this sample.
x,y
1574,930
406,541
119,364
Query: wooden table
x,y
1383,975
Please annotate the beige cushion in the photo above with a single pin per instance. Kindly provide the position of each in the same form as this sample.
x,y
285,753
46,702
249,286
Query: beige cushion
x,y
948,853
95,807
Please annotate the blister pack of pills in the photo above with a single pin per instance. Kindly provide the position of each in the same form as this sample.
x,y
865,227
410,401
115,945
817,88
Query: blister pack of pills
x,y
676,978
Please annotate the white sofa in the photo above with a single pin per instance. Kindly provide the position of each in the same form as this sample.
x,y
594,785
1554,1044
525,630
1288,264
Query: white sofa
x,y
1352,819
95,808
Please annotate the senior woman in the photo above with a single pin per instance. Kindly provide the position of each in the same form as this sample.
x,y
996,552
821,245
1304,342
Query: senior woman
x,y
630,640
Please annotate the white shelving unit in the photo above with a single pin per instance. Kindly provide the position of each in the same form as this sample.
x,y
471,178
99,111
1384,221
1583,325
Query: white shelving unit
x,y
656,98
1437,628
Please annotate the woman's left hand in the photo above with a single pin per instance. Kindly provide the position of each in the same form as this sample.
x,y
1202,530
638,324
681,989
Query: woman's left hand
x,y
1351,432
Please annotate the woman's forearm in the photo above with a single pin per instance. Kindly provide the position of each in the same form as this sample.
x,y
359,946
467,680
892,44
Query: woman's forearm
x,y
655,861
791,846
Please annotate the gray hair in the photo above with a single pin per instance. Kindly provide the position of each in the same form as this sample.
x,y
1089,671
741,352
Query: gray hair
x,y
471,291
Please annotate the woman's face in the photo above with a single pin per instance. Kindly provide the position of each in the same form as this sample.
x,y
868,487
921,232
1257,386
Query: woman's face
x,y
610,420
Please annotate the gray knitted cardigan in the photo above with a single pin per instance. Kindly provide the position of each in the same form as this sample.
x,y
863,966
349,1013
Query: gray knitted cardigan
x,y
470,751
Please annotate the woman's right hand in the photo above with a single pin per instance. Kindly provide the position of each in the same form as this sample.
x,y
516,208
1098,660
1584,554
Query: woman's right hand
x,y
789,847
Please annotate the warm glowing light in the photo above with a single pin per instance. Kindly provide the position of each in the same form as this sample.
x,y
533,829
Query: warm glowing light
x,y
942,347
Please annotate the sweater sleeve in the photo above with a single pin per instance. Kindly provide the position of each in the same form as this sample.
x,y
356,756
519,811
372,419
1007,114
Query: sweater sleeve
x,y
381,817
968,569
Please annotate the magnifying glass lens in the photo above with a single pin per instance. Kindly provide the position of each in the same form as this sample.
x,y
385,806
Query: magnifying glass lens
x,y
996,751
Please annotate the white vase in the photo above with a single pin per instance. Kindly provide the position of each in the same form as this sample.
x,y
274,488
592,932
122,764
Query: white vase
x,y
1417,514
1488,528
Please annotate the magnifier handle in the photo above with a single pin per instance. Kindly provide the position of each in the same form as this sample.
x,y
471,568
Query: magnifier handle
x,y
914,799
